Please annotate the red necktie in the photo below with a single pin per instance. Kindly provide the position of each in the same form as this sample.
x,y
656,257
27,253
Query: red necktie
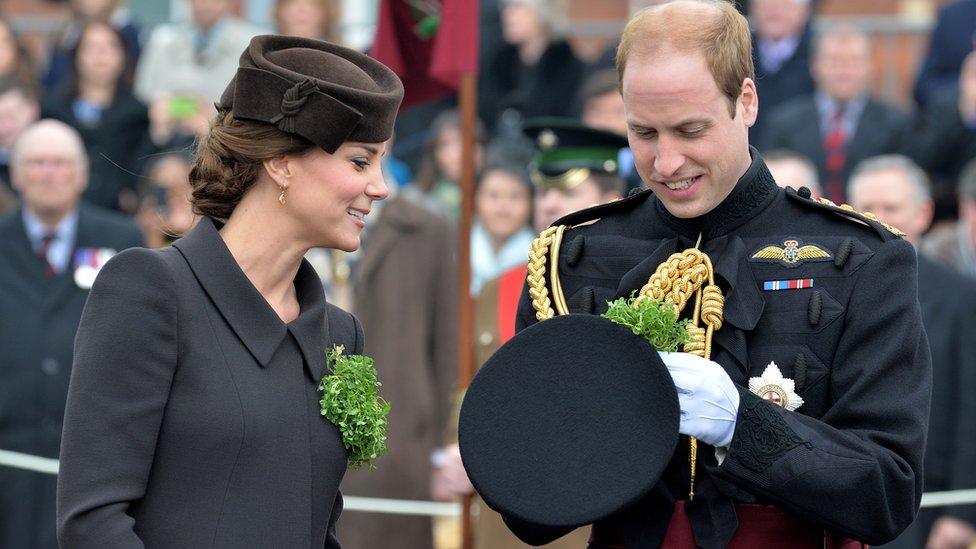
x,y
834,145
46,240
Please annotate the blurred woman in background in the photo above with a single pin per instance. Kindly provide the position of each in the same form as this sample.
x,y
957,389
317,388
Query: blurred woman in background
x,y
98,102
502,233
439,173
14,60
60,62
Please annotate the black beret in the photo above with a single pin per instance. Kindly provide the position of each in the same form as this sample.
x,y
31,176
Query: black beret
x,y
572,420
326,93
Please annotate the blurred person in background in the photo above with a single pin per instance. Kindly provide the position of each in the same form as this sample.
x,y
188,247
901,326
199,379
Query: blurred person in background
x,y
317,19
950,41
574,163
944,138
790,169
850,124
602,105
781,54
14,59
165,212
439,172
566,186
97,101
955,245
185,66
404,290
502,233
53,246
534,73
896,190
19,108
60,62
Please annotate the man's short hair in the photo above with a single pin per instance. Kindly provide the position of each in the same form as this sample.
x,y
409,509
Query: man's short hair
x,y
11,83
966,187
713,27
812,181
598,84
921,188
48,124
607,183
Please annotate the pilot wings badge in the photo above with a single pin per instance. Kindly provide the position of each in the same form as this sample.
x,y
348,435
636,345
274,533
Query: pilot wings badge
x,y
792,253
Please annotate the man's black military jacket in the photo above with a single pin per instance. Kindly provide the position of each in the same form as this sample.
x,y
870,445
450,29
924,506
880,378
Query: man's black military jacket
x,y
850,458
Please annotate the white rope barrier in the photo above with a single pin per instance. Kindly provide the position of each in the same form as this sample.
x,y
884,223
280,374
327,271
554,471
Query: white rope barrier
x,y
49,466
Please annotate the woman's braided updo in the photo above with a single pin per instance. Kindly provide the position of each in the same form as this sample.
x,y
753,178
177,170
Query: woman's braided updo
x,y
229,160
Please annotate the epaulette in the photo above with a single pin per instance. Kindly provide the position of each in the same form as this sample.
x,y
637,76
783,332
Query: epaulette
x,y
600,210
884,230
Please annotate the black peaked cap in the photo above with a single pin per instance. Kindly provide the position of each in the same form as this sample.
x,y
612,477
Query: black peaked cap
x,y
572,420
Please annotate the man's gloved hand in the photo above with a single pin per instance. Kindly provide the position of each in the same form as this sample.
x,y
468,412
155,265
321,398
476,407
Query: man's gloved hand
x,y
708,399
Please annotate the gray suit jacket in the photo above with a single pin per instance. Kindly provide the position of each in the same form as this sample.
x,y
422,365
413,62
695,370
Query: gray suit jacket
x,y
193,412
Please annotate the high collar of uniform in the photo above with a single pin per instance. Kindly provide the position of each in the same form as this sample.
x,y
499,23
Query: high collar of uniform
x,y
245,309
755,190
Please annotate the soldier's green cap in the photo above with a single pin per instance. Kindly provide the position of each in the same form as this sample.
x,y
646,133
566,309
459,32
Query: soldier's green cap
x,y
569,151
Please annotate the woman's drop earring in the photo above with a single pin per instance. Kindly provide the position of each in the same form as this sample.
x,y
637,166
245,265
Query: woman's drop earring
x,y
281,197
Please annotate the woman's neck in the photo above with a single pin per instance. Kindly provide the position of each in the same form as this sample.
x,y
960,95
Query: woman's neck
x,y
98,93
269,257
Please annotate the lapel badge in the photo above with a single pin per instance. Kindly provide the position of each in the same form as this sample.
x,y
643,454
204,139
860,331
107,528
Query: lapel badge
x,y
87,262
792,253
779,390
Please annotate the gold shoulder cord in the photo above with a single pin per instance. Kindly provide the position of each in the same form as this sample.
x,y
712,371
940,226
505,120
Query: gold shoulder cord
x,y
546,248
847,207
675,281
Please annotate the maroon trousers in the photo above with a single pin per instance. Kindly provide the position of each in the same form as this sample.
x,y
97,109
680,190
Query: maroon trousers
x,y
759,526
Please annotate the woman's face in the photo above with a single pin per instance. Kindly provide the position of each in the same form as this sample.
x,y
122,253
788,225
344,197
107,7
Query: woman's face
x,y
305,18
101,57
502,203
447,154
331,194
8,50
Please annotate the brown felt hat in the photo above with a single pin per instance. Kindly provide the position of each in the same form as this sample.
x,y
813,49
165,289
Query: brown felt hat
x,y
325,93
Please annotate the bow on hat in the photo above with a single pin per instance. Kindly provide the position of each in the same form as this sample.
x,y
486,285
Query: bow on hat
x,y
303,108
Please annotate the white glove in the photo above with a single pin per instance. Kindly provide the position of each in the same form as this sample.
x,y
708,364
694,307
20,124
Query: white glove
x,y
708,399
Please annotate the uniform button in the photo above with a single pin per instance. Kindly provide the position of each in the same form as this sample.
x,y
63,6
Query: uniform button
x,y
50,366
486,338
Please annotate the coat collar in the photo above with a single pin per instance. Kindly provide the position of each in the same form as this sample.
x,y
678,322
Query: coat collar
x,y
245,309
754,191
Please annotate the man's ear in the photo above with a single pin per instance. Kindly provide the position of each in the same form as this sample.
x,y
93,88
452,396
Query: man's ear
x,y
749,99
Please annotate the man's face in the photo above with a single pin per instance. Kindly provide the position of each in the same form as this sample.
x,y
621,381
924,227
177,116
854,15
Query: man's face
x,y
778,19
842,67
16,113
550,204
888,194
687,146
49,173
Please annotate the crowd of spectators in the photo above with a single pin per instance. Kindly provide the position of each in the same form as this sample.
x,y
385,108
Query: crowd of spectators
x,y
97,133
